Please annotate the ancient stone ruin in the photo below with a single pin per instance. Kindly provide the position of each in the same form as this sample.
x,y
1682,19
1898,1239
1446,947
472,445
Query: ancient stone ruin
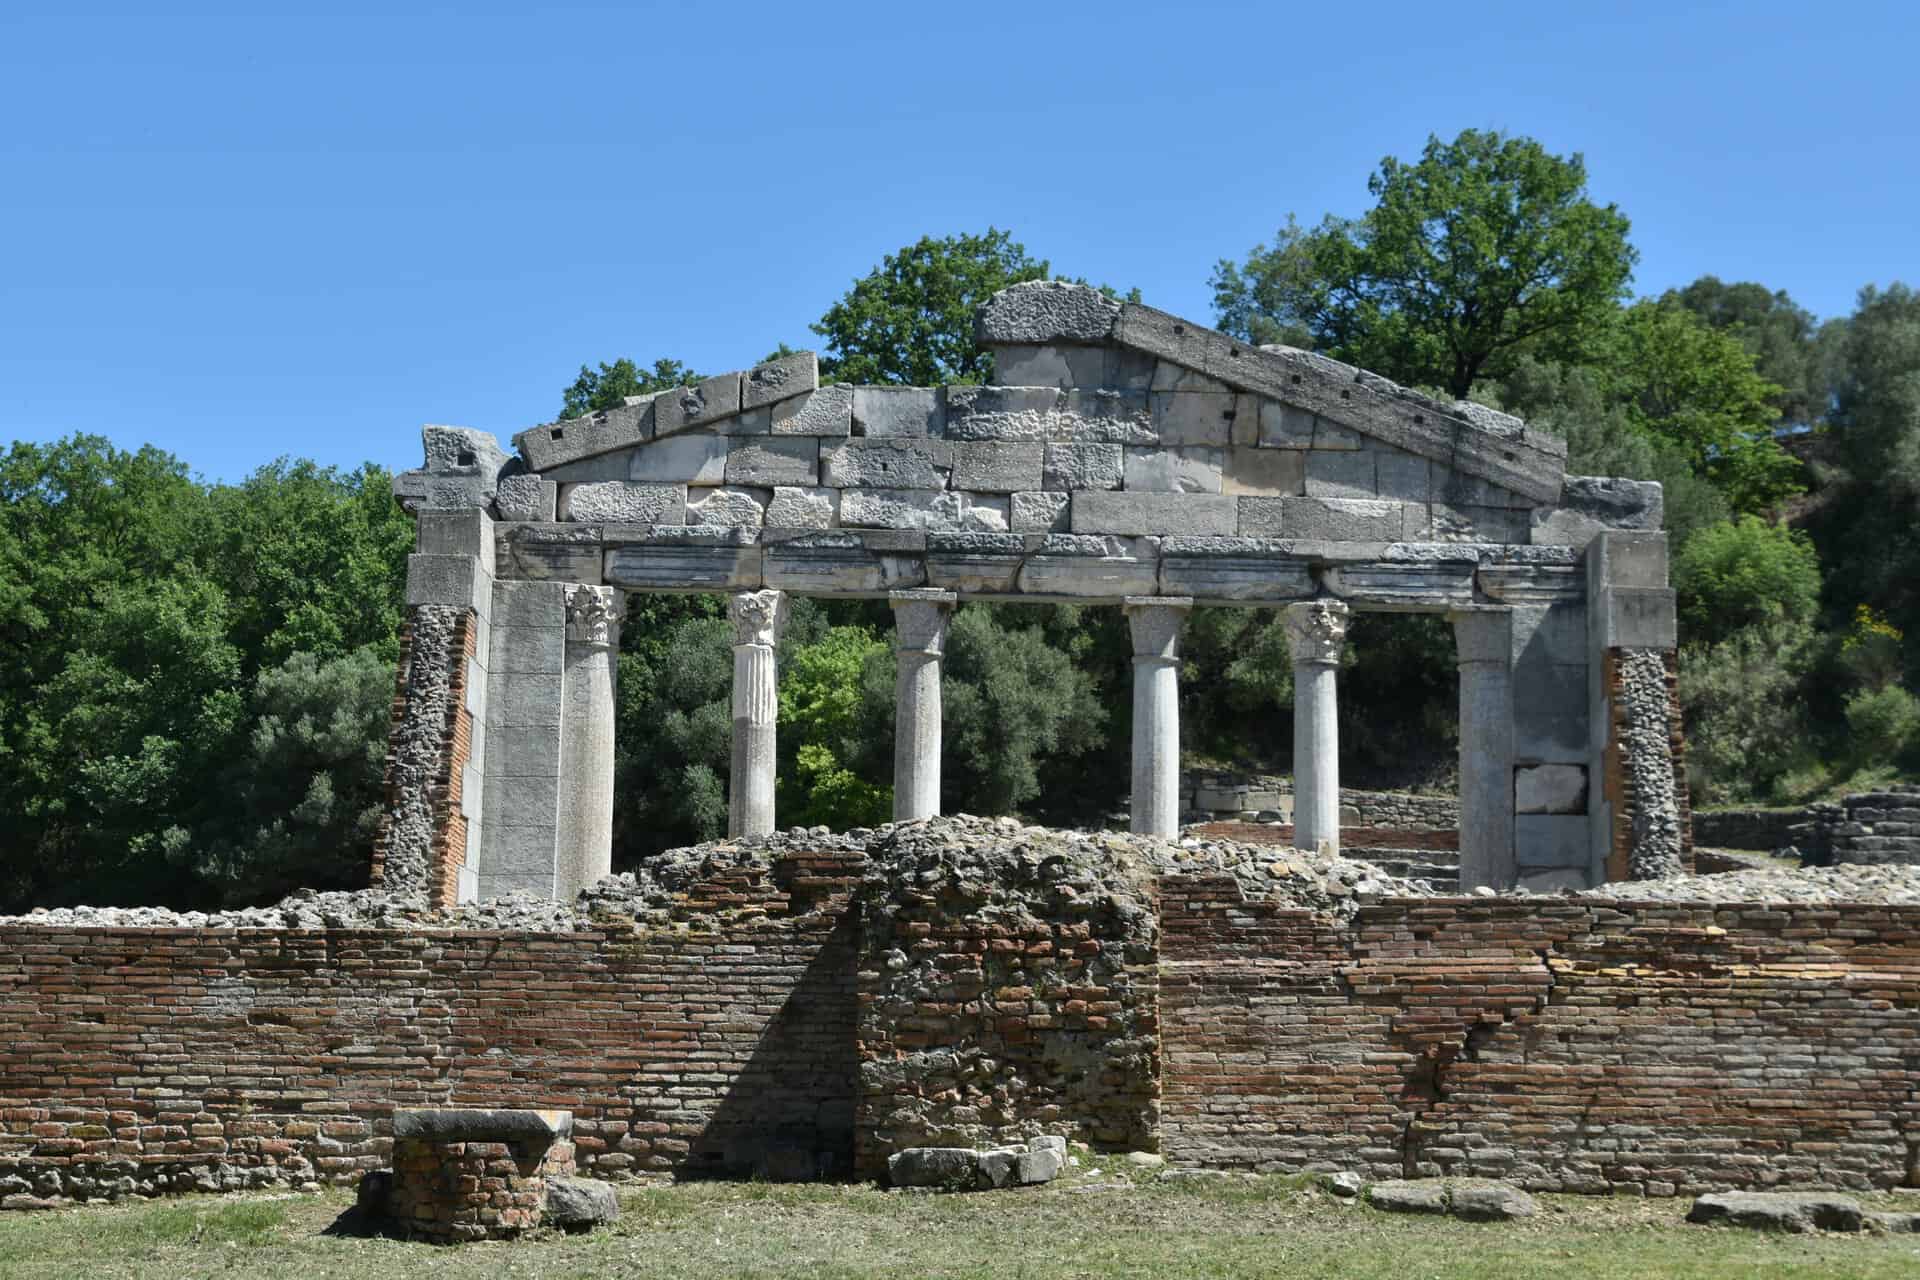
x,y
807,1004
1129,458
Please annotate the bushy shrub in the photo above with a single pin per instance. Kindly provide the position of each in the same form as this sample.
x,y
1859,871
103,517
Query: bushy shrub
x,y
1742,699
1883,726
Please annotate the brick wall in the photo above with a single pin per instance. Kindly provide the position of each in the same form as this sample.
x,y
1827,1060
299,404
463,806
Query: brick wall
x,y
1573,1046
137,1060
422,842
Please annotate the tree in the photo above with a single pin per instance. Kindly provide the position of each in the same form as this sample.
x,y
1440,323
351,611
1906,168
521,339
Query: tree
x,y
1877,400
1790,348
1745,573
910,319
610,384
821,705
1486,249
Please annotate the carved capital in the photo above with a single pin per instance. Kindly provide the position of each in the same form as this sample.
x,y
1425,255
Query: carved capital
x,y
1316,631
1156,622
593,616
757,616
920,620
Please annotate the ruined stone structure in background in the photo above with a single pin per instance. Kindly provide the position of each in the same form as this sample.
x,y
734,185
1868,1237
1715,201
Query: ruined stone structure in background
x,y
1129,458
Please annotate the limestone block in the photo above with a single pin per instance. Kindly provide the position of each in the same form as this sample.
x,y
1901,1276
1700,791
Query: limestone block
x,y
1128,370
686,567
1191,470
1450,523
1461,490
1331,435
1398,1196
794,507
457,580
526,650
825,412
1402,476
1226,577
1005,413
1416,587
898,412
1095,511
687,459
1193,417
977,563
1045,311
423,490
526,497
1778,1210
838,563
551,444
779,379
948,1167
1264,472
1335,519
774,461
1544,841
480,1124
1050,366
529,604
754,422
705,401
1550,788
1550,710
580,1203
624,501
1040,512
746,507
1258,517
523,700
568,552
922,509
1618,559
997,468
1341,475
456,533
1089,577
1083,466
1637,618
1168,376
617,465
1284,427
887,464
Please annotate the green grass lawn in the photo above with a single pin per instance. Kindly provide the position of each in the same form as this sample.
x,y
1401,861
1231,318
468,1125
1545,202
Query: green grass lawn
x,y
1162,1229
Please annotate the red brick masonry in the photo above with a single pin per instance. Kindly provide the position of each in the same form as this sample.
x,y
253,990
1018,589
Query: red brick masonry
x,y
1567,1044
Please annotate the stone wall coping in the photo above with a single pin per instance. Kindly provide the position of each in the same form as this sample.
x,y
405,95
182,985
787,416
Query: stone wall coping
x,y
480,1124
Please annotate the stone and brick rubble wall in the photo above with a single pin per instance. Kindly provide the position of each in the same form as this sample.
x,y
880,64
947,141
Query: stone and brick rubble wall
x,y
1228,795
1874,826
141,1060
1757,829
1644,767
422,841
1573,1046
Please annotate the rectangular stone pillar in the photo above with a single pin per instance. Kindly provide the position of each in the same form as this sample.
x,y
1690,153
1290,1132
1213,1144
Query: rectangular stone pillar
x,y
1316,634
584,842
758,618
527,671
920,634
1483,642
1156,623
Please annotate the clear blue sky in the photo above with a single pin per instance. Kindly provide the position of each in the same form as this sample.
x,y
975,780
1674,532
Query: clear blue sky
x,y
240,231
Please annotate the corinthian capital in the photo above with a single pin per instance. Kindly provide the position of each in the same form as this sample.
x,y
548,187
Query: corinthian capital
x,y
1316,631
592,615
757,616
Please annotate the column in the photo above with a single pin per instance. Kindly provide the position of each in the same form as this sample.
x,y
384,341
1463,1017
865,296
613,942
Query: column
x,y
584,847
1316,633
1484,643
758,617
1156,623
920,636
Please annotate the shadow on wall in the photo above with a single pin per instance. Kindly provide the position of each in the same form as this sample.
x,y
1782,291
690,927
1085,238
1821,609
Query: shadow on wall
x,y
787,1116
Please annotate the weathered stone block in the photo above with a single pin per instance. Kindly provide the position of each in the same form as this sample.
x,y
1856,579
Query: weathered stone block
x,y
554,443
1004,413
997,468
1449,523
1341,475
695,459
774,461
524,651
624,501
1050,366
1095,511
1282,426
688,566
1332,519
950,1167
683,407
569,552
779,379
455,580
898,412
1551,840
746,507
1089,577
825,412
577,1204
1083,466
1193,417
922,509
1168,376
1778,1211
526,497
1040,512
1264,472
1192,470
802,508
887,464
1401,476
1046,311
1248,577
1550,788
1637,618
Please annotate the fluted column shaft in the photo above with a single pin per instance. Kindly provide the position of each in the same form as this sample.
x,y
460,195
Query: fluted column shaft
x,y
1316,633
583,849
920,636
758,618
1156,623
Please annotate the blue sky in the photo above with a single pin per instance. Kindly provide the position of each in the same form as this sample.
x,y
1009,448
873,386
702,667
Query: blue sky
x,y
241,231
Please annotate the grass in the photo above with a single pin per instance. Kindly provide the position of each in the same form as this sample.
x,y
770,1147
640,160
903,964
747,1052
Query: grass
x,y
1172,1230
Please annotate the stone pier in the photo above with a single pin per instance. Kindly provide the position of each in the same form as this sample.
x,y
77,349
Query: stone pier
x,y
1483,641
920,636
758,618
1156,623
1316,632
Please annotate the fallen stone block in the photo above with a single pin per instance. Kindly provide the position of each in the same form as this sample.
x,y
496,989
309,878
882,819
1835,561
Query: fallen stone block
x,y
1778,1211
1489,1201
580,1204
998,1167
1040,1164
1344,1185
951,1167
1408,1197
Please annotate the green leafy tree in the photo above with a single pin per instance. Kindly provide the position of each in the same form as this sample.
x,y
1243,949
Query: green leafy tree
x,y
910,319
1486,249
1745,573
610,384
1744,705
821,705
1791,349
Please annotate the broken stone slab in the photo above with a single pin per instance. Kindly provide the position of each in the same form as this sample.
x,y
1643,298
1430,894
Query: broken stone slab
x,y
1054,365
1041,1164
1478,1200
462,450
1046,311
1408,1197
683,407
480,1124
827,411
999,1167
625,502
798,507
779,379
964,1169
923,509
738,507
695,459
951,1167
1345,1185
1778,1211
580,1204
